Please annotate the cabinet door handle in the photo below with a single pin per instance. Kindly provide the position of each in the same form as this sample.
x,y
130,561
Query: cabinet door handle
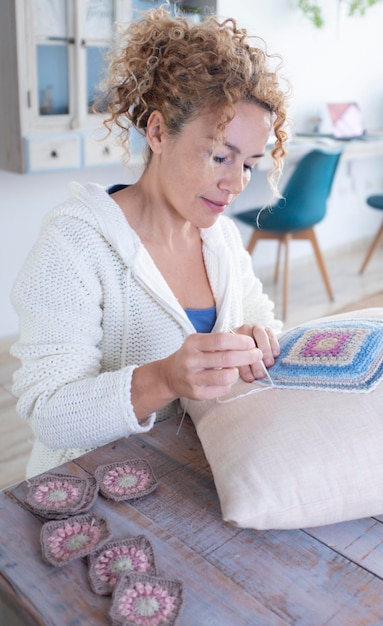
x,y
106,151
67,39
54,154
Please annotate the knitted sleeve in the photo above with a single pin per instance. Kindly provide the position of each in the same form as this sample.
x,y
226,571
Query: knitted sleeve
x,y
67,399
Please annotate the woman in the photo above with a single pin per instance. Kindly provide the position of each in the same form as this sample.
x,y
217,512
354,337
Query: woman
x,y
126,301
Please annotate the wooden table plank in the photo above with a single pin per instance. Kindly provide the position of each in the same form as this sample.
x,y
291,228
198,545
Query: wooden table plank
x,y
305,582
359,540
209,597
48,595
231,577
53,593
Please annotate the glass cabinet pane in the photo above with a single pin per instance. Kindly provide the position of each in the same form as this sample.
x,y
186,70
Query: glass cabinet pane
x,y
52,79
99,19
52,32
193,9
96,65
98,34
50,19
143,5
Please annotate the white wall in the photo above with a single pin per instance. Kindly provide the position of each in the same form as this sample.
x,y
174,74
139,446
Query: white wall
x,y
340,62
25,199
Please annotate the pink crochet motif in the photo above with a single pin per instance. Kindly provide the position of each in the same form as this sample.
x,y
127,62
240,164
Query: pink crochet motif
x,y
118,558
141,600
126,479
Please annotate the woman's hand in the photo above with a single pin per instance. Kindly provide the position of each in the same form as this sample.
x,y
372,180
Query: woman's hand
x,y
207,365
267,342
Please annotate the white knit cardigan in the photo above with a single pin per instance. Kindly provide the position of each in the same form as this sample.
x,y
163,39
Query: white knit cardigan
x,y
92,307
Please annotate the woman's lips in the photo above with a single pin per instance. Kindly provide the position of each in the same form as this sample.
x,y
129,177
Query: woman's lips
x,y
216,207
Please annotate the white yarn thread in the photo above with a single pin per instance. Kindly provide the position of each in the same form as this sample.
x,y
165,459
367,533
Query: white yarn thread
x,y
248,393
182,419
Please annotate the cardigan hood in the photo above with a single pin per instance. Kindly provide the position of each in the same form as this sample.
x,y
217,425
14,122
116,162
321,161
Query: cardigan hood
x,y
96,207
92,204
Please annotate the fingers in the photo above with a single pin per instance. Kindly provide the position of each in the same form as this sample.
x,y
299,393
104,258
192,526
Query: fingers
x,y
267,342
212,342
208,365
227,359
213,383
221,350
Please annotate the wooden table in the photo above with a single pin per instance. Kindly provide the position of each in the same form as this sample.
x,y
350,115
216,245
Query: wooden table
x,y
315,577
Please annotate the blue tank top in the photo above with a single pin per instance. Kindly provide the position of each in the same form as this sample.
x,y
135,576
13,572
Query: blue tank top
x,y
203,320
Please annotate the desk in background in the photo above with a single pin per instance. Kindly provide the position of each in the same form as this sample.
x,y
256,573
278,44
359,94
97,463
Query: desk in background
x,y
369,148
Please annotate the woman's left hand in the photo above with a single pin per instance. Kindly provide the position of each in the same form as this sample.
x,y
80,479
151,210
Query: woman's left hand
x,y
267,342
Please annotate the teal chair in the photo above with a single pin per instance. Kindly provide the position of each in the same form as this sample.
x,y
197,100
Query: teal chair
x,y
303,205
376,202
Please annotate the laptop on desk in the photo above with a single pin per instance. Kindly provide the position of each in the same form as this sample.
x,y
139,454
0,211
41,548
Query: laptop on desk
x,y
343,121
346,119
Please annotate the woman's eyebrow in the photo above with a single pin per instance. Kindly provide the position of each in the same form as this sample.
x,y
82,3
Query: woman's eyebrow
x,y
237,151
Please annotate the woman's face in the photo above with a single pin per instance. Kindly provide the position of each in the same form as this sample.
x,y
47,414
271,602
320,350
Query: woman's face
x,y
198,178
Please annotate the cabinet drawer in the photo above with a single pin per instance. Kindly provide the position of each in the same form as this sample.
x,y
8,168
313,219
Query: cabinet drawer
x,y
98,152
52,153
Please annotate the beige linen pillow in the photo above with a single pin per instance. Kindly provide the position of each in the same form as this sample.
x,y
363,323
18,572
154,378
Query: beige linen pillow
x,y
293,458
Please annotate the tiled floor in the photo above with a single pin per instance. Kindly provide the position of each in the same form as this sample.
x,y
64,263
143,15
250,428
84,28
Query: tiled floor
x,y
308,300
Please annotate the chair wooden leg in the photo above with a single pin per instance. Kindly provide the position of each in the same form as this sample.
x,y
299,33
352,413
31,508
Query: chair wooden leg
x,y
278,262
308,234
372,249
252,241
286,241
320,260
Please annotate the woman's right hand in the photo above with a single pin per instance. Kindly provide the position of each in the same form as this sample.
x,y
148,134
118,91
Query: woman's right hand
x,y
207,365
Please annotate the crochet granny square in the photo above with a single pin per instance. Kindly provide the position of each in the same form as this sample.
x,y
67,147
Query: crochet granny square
x,y
57,496
115,559
65,540
341,355
142,600
125,480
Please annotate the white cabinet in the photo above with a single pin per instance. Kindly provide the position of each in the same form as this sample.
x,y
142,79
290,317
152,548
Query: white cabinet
x,y
52,152
52,56
97,151
65,46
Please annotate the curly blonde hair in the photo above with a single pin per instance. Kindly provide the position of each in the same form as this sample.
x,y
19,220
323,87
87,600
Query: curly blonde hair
x,y
181,68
